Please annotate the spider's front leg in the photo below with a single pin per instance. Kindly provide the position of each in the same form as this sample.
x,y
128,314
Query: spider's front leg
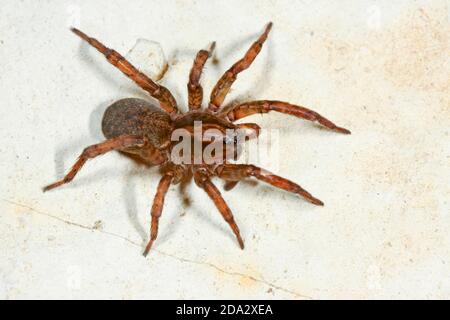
x,y
203,181
117,143
235,172
246,109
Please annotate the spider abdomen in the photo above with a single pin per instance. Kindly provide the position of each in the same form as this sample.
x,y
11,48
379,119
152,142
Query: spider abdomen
x,y
137,117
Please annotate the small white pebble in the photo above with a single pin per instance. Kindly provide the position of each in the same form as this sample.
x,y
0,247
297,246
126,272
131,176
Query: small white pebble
x,y
148,57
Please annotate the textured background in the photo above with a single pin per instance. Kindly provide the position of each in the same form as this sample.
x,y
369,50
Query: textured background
x,y
379,68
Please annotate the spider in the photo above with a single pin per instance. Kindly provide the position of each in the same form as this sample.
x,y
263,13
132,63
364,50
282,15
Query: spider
x,y
143,130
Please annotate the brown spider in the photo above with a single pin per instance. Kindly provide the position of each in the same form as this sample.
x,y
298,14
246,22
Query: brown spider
x,y
143,130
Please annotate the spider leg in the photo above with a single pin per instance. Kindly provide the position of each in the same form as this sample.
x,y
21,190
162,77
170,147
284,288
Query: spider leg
x,y
157,207
236,172
222,87
263,106
195,90
158,92
118,143
230,185
203,181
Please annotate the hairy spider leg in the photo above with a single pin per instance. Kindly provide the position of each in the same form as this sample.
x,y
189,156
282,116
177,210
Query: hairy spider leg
x,y
240,111
222,87
117,143
162,94
195,90
236,172
203,181
157,207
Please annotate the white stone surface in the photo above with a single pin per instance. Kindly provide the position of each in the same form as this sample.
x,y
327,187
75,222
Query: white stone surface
x,y
379,68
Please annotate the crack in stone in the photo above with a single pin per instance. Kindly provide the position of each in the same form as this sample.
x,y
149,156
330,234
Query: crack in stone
x,y
180,259
234,273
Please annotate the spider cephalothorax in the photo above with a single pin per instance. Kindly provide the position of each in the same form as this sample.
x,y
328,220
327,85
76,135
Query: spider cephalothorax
x,y
139,128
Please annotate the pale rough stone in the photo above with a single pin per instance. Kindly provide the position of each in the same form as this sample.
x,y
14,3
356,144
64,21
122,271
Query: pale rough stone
x,y
379,68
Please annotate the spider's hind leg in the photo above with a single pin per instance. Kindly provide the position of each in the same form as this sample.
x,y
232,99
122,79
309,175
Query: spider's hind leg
x,y
118,143
162,94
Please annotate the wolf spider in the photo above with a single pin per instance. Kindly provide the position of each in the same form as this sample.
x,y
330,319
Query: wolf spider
x,y
139,128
